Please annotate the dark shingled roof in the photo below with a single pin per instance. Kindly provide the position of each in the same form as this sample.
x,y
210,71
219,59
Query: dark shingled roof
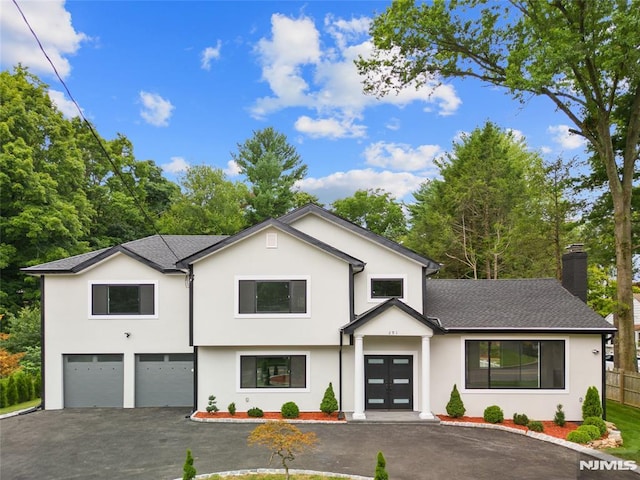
x,y
150,250
503,305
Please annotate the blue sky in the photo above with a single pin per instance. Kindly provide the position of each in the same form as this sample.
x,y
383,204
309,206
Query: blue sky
x,y
187,81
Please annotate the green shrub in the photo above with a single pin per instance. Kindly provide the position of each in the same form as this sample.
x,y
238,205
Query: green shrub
x,y
455,407
559,419
598,422
381,472
329,403
3,393
591,430
212,407
255,412
232,408
520,419
535,426
188,468
592,406
290,410
493,414
24,387
578,436
12,391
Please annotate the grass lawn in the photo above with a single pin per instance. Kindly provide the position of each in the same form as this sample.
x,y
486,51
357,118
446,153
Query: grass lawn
x,y
20,406
627,419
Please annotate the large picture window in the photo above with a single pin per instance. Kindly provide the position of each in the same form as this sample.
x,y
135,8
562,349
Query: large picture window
x,y
272,296
513,364
273,371
122,299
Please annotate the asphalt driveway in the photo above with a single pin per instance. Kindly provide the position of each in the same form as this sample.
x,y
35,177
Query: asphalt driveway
x,y
151,443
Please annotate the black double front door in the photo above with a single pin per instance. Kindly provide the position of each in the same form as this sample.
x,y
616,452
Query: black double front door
x,y
388,382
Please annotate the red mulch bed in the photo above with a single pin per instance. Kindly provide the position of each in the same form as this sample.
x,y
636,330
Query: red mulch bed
x,y
271,416
550,428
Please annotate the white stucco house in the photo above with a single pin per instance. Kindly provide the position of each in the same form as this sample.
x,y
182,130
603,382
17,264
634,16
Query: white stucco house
x,y
276,312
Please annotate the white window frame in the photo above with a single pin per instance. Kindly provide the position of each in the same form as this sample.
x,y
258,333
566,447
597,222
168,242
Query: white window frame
x,y
515,391
386,276
273,353
284,278
127,316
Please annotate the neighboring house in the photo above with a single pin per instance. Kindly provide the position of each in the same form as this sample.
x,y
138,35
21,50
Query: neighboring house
x,y
276,312
636,321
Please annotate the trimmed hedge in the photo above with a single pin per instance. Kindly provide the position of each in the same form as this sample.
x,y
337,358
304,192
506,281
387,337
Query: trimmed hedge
x,y
520,419
255,412
493,414
535,426
19,387
578,436
598,422
591,430
290,410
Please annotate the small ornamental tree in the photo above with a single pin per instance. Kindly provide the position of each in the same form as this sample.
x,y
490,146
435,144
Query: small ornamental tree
x,y
381,472
559,418
455,407
591,407
284,440
329,403
212,407
188,468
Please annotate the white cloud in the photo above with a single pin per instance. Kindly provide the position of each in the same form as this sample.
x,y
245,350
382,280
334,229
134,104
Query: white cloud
x,y
232,170
562,136
320,74
210,53
155,109
329,128
393,124
344,184
399,156
176,165
67,107
52,24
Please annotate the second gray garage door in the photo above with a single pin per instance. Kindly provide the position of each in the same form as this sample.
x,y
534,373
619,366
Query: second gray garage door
x,y
164,380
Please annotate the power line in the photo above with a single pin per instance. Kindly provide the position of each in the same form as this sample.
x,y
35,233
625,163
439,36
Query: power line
x,y
95,135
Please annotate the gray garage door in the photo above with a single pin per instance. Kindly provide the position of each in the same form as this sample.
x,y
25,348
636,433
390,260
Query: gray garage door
x,y
164,380
93,380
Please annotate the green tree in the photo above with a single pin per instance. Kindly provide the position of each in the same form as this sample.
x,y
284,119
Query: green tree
x,y
300,199
188,470
375,210
45,211
381,471
209,204
272,166
592,406
329,403
582,55
486,215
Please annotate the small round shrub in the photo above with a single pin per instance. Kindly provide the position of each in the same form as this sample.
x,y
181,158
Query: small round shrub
x,y
455,407
255,412
578,436
520,419
493,414
590,430
535,426
290,410
598,422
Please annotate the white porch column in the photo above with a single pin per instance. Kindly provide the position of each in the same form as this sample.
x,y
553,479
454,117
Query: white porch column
x,y
358,378
425,379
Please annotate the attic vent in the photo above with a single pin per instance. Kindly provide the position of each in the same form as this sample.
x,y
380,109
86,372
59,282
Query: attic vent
x,y
272,240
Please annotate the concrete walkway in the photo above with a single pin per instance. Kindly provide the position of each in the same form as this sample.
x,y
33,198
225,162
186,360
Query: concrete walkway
x,y
151,443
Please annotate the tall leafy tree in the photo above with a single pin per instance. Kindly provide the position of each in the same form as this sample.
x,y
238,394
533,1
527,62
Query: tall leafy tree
x,y
485,219
375,210
209,204
582,55
272,166
45,211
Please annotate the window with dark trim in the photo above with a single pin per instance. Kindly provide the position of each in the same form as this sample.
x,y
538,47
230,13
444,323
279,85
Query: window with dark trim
x,y
514,364
387,288
272,296
273,371
122,299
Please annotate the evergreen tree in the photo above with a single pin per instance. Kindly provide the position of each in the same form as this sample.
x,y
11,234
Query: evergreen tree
x,y
329,403
189,471
381,472
591,406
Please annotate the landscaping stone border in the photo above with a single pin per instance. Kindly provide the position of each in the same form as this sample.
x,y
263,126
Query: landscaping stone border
x,y
264,420
292,471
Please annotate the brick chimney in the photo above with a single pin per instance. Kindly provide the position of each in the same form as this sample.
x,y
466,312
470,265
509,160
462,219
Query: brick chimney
x,y
574,271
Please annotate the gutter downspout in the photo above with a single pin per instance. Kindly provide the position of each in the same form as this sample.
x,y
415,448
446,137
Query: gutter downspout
x,y
42,345
195,349
603,342
351,317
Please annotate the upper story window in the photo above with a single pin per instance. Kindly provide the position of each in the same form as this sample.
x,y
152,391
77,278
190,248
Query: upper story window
x,y
382,287
515,364
123,299
273,296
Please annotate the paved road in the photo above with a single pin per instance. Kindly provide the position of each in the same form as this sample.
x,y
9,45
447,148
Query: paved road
x,y
150,444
